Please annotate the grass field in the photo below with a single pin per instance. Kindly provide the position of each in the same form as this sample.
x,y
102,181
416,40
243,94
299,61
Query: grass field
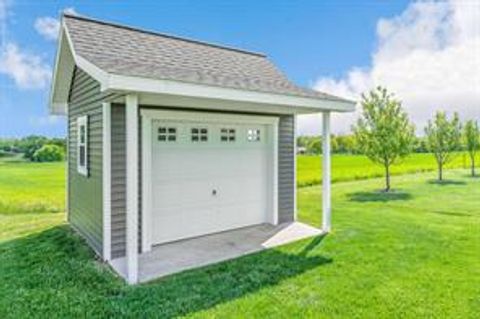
x,y
414,253
356,167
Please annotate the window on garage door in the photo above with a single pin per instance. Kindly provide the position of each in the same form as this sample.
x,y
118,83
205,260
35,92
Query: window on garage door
x,y
253,135
227,134
167,134
199,134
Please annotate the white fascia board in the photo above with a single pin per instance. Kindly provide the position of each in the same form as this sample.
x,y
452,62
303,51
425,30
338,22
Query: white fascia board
x,y
60,107
146,85
56,108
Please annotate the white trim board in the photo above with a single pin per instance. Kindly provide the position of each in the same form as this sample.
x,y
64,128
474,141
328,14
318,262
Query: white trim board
x,y
148,116
132,187
192,116
145,85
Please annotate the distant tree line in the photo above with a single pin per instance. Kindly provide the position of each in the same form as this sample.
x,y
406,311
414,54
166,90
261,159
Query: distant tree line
x,y
385,135
34,148
347,144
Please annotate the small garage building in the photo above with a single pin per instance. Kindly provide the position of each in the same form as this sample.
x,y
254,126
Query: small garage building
x,y
175,143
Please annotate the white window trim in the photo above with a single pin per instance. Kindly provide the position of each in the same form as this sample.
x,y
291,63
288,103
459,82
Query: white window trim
x,y
82,121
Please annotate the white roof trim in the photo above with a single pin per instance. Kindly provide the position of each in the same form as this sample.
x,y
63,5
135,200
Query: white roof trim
x,y
146,85
59,107
115,82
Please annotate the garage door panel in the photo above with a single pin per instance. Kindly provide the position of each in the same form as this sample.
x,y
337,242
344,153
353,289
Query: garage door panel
x,y
182,195
243,189
206,187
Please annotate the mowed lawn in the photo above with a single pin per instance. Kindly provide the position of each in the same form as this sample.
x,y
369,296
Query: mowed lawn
x,y
414,253
356,167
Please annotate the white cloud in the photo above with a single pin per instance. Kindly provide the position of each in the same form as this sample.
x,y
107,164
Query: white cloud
x,y
28,71
48,27
429,56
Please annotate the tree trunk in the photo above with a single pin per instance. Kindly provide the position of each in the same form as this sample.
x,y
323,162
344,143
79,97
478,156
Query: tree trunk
x,y
387,178
473,165
440,171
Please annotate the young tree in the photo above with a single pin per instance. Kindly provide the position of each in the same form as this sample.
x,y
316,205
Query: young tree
x,y
443,138
48,153
383,132
472,141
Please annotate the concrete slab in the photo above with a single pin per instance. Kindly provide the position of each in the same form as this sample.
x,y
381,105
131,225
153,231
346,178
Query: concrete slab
x,y
182,255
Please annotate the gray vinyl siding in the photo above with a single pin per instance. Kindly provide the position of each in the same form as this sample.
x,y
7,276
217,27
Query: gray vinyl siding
x,y
85,195
286,176
286,169
118,175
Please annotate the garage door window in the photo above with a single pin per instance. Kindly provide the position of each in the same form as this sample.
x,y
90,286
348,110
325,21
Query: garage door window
x,y
227,135
253,135
167,134
199,134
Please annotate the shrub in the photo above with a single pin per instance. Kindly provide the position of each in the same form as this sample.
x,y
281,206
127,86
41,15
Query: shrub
x,y
48,153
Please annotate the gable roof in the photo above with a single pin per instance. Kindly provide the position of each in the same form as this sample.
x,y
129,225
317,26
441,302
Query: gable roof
x,y
126,51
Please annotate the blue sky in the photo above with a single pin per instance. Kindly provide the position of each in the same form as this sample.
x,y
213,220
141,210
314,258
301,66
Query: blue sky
x,y
316,43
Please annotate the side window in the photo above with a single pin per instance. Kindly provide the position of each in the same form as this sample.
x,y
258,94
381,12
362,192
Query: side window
x,y
167,134
253,135
227,135
199,134
82,145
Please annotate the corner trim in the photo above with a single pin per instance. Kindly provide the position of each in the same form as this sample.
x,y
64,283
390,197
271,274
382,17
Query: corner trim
x,y
107,181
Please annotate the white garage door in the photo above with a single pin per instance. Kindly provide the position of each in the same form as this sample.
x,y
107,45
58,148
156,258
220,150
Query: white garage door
x,y
208,177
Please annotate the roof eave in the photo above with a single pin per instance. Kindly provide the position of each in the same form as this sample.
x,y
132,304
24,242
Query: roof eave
x,y
147,85
65,61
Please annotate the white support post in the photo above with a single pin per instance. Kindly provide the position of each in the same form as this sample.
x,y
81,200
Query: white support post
x,y
132,187
106,174
295,147
326,168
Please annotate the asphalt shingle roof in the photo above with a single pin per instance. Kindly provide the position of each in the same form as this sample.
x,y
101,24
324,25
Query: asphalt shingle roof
x,y
128,51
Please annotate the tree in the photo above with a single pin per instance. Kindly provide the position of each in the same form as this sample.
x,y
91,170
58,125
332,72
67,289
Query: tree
x,y
315,146
443,138
472,141
48,153
383,132
30,144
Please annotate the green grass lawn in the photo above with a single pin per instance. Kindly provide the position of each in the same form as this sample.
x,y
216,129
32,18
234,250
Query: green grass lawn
x,y
356,167
414,253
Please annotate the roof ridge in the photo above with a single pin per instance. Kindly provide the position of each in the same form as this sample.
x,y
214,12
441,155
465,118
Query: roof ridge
x,y
156,33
